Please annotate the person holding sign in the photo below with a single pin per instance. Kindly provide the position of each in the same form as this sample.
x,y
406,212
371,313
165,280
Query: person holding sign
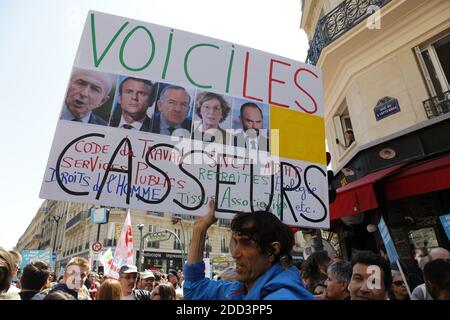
x,y
251,118
261,245
134,100
212,109
173,106
87,91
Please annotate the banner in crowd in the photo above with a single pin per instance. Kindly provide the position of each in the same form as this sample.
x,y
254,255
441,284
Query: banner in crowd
x,y
123,254
36,255
164,120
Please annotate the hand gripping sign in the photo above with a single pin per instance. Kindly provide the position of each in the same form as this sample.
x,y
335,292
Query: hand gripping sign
x,y
161,119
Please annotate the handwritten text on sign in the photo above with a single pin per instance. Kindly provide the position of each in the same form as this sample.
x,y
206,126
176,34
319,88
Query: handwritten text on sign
x,y
93,160
105,166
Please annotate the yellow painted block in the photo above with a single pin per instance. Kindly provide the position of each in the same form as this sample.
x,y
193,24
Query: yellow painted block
x,y
300,136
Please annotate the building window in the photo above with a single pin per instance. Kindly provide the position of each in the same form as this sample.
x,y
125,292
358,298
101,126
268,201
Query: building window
x,y
176,243
156,214
152,244
223,245
343,128
433,58
435,65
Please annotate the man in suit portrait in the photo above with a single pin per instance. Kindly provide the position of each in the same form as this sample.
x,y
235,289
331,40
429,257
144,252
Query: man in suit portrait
x,y
135,97
251,135
87,91
173,109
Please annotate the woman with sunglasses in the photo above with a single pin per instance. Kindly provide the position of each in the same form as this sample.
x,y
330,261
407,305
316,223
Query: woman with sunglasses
x,y
398,289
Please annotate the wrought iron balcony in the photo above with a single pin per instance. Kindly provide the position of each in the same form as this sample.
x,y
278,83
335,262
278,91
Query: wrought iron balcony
x,y
437,105
338,21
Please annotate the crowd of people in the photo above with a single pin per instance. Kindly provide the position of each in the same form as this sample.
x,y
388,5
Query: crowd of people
x,y
37,282
264,270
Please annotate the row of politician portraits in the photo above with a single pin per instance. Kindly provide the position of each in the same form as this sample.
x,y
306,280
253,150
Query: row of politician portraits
x,y
138,104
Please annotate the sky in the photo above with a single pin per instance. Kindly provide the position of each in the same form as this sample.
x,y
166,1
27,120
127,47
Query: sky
x,y
39,40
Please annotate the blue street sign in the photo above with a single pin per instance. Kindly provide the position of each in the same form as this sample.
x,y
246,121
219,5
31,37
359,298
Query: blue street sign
x,y
445,220
387,108
388,243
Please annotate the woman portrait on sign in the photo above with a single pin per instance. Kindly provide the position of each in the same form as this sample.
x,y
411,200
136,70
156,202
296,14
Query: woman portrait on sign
x,y
212,109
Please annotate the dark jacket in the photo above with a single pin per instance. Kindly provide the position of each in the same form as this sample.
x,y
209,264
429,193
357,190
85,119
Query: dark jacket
x,y
63,287
240,140
27,295
146,125
157,123
94,119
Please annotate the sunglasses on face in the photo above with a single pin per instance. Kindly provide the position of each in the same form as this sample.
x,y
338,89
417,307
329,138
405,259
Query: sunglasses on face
x,y
398,283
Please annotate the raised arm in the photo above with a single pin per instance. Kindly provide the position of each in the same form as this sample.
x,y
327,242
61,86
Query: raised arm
x,y
201,226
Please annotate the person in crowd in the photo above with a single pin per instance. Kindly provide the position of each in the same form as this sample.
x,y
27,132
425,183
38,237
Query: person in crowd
x,y
174,279
6,274
261,246
421,292
147,280
371,277
52,281
34,279
423,257
173,108
135,97
164,291
314,269
437,278
398,289
128,275
338,278
92,284
75,275
158,279
17,259
250,135
110,289
212,109
88,90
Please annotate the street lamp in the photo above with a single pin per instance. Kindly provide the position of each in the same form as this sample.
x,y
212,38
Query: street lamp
x,y
175,220
140,261
55,219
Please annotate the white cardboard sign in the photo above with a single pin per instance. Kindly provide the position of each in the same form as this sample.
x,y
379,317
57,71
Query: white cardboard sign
x,y
95,160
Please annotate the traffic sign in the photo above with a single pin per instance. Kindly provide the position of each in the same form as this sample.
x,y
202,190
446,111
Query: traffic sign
x,y
97,246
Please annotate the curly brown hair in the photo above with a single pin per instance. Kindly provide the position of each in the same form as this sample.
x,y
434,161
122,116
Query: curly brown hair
x,y
206,96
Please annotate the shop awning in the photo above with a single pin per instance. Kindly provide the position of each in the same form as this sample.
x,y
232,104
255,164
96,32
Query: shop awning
x,y
358,196
426,177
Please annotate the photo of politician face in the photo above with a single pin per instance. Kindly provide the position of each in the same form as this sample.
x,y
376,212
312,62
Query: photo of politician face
x,y
88,90
173,110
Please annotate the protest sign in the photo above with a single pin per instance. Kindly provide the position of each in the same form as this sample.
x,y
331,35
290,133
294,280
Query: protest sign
x,y
106,259
164,120
36,255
